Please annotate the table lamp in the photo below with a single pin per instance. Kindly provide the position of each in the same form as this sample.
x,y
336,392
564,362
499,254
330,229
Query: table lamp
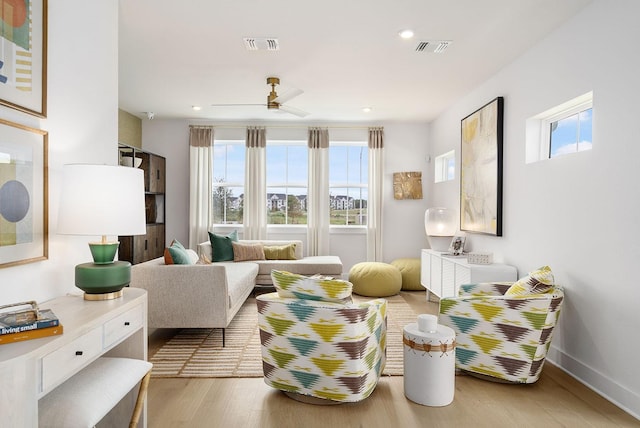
x,y
102,200
440,226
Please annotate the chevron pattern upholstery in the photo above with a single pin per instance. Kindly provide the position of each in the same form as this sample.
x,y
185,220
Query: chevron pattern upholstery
x,y
503,337
325,349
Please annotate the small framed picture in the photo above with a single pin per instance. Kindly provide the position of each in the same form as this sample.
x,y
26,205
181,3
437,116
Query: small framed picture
x,y
457,245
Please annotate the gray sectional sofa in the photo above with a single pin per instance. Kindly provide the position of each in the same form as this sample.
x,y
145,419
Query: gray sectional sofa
x,y
209,295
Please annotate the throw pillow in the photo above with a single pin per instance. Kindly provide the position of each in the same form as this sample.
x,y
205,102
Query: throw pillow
x,y
221,246
280,252
176,254
539,281
243,251
293,285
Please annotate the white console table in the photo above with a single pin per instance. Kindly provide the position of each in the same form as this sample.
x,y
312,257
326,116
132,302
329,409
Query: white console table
x,y
443,275
31,369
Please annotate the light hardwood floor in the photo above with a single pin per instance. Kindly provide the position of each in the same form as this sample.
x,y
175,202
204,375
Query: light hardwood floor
x,y
556,400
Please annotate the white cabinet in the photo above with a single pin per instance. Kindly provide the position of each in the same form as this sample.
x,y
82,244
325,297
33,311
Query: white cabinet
x,y
31,369
443,275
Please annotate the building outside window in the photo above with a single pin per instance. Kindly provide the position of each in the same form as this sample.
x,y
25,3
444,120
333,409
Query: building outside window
x,y
348,183
287,178
228,181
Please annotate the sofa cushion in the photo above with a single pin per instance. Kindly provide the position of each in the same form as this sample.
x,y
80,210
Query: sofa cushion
x,y
540,281
280,252
243,251
222,248
326,289
177,254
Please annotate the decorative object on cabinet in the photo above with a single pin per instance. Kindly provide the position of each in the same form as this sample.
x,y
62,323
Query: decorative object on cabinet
x,y
23,56
481,170
480,258
440,226
24,226
148,246
407,185
443,276
456,247
101,200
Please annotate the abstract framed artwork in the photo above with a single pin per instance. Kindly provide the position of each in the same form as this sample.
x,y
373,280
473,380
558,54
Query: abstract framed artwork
x,y
481,170
24,234
407,185
23,56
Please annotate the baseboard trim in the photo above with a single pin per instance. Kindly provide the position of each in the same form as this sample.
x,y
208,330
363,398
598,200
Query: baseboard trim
x,y
622,397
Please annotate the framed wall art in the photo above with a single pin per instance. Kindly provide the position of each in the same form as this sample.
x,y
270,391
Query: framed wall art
x,y
23,56
24,234
481,170
407,185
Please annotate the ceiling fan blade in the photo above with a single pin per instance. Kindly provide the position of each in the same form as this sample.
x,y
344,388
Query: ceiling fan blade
x,y
236,105
281,99
294,111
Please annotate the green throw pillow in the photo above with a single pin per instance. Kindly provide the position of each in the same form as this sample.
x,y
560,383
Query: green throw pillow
x,y
176,254
221,246
540,281
280,252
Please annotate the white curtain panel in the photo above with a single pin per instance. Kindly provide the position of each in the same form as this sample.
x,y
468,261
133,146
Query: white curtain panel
x,y
200,183
374,204
318,198
255,191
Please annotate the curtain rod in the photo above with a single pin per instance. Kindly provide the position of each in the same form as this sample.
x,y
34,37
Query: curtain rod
x,y
286,126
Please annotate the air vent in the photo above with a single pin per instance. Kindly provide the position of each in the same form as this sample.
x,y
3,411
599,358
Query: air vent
x,y
261,44
435,46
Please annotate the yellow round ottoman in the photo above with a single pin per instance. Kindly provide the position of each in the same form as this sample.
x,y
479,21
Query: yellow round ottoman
x,y
410,270
375,279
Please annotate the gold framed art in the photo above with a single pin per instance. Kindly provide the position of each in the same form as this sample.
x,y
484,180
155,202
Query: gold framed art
x,y
24,230
407,185
23,56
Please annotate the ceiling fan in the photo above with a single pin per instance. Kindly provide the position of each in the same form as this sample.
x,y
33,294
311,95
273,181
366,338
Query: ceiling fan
x,y
275,101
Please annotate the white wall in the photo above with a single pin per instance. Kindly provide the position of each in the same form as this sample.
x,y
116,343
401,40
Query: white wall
x,y
576,213
83,127
406,149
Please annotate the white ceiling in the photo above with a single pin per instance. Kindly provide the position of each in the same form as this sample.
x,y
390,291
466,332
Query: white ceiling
x,y
344,54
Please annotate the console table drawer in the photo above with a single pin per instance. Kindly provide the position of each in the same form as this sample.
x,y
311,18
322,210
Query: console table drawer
x,y
123,325
63,362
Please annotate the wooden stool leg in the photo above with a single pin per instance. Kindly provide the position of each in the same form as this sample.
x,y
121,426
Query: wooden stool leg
x,y
142,393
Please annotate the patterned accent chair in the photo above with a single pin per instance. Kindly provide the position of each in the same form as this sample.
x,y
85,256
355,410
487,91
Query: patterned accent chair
x,y
505,337
317,343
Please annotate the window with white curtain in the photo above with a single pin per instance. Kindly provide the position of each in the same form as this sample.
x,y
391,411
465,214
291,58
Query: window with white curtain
x,y
287,178
228,181
348,183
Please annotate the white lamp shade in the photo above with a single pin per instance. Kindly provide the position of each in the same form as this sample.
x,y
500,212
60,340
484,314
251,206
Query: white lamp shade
x,y
440,222
102,200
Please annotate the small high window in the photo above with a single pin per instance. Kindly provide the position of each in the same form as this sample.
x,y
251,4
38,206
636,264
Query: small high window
x,y
561,130
445,167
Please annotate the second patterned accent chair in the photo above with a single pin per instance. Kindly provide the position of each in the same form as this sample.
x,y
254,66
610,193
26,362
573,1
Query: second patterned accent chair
x,y
502,337
317,343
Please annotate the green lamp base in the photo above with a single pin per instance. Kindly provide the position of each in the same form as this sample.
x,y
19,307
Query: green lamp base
x,y
103,281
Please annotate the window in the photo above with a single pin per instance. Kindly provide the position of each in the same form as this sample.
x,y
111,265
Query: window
x,y
570,134
564,129
348,183
228,181
445,167
287,172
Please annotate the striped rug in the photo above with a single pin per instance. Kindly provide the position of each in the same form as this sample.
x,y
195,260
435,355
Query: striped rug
x,y
193,353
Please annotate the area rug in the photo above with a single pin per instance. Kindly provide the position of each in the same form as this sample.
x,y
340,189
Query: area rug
x,y
193,353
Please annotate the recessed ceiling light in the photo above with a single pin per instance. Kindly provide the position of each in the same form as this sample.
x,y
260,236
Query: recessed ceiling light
x,y
406,34
196,108
366,109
